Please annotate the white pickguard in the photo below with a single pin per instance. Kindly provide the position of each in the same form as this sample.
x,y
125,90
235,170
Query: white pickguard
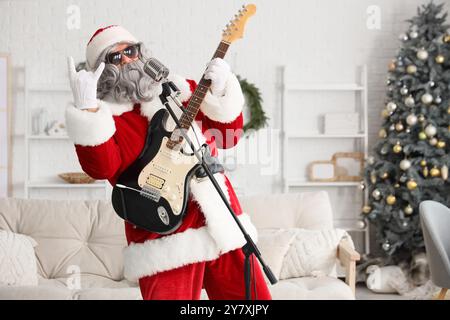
x,y
167,173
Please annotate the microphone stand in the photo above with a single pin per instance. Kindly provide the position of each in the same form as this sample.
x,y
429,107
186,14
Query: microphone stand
x,y
249,248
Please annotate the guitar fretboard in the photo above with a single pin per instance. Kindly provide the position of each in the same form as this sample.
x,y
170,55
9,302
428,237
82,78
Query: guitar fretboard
x,y
196,99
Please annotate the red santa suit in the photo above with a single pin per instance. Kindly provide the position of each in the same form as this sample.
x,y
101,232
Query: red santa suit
x,y
205,250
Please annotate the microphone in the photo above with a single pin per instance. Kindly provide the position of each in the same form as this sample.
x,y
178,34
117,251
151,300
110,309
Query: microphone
x,y
155,69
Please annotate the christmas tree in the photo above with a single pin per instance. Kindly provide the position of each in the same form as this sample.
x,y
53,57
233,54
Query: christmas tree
x,y
410,162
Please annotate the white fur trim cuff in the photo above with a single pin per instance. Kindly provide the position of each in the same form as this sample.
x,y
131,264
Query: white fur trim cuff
x,y
89,128
227,108
174,251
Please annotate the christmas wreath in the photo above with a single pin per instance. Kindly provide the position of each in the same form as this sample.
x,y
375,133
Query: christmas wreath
x,y
253,99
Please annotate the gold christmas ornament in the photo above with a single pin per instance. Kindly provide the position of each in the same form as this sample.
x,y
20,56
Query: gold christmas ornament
x,y
390,200
399,126
366,209
384,175
444,172
440,59
425,172
411,69
385,113
421,118
446,38
448,110
408,209
411,185
440,144
396,185
423,163
422,135
397,148
373,178
382,134
435,172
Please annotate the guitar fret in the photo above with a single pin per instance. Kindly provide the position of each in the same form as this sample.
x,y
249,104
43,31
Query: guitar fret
x,y
197,98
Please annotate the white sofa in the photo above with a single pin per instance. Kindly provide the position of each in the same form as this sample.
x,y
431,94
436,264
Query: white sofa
x,y
79,251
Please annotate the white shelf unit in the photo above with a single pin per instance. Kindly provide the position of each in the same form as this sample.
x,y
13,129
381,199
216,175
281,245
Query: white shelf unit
x,y
359,90
53,182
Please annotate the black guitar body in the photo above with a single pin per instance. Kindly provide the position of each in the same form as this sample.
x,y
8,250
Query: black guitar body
x,y
138,209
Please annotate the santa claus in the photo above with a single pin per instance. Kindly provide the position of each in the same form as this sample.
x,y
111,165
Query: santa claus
x,y
114,100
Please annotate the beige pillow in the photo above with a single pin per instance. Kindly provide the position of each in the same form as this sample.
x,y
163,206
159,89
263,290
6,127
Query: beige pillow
x,y
17,260
273,245
312,253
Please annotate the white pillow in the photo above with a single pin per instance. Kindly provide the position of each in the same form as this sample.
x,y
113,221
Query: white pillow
x,y
313,253
273,245
17,260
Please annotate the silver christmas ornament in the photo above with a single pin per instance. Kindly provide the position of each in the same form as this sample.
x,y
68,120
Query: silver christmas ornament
x,y
413,34
362,185
430,130
433,141
386,246
403,37
411,119
432,84
444,172
422,54
409,101
361,224
391,107
404,223
392,127
438,99
404,91
405,164
426,98
371,160
376,194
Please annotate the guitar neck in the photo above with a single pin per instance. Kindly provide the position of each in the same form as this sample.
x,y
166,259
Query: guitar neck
x,y
200,92
197,97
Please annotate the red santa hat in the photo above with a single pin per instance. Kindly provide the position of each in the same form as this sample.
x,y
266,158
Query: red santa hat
x,y
102,39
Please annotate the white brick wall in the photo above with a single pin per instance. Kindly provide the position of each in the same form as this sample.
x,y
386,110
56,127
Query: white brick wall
x,y
324,40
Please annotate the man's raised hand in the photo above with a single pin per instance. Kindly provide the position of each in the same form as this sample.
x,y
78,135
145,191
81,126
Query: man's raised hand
x,y
84,85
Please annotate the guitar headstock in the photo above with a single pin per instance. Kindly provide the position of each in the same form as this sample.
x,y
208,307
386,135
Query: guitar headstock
x,y
235,29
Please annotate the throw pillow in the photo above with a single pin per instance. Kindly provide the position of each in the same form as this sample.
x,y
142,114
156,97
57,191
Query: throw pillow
x,y
313,253
17,260
273,245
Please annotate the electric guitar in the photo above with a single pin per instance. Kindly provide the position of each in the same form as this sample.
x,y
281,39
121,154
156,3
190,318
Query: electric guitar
x,y
152,192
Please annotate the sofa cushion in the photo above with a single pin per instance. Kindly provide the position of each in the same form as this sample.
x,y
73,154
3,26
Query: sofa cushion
x,y
309,210
132,293
17,260
311,288
84,235
273,245
312,253
35,293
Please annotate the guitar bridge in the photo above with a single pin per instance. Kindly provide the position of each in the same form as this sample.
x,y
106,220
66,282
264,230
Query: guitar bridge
x,y
150,193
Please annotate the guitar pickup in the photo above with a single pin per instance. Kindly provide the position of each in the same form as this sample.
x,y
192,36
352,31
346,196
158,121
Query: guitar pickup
x,y
155,181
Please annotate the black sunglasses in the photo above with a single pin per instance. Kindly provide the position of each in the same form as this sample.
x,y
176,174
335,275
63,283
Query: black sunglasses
x,y
131,52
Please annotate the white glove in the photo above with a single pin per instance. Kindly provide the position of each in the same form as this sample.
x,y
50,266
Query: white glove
x,y
84,85
218,71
